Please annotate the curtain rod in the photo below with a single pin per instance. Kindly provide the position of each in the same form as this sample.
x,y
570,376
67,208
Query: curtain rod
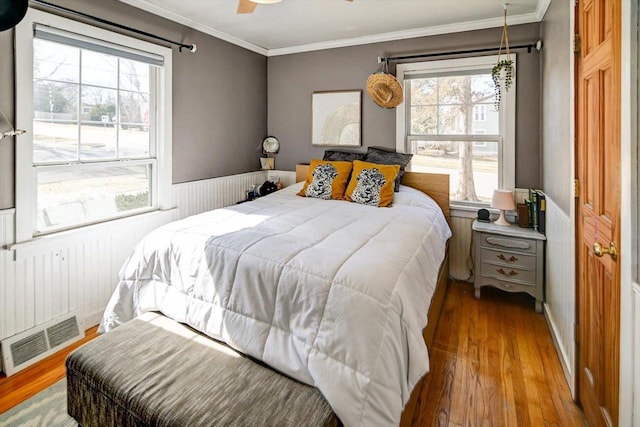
x,y
190,47
537,46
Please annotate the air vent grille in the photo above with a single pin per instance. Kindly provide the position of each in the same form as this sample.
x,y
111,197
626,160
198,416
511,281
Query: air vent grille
x,y
62,332
28,348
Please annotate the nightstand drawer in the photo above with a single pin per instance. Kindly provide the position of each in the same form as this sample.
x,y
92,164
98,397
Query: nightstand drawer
x,y
508,273
511,243
508,258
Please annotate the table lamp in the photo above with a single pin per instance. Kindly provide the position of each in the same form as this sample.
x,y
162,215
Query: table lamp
x,y
503,200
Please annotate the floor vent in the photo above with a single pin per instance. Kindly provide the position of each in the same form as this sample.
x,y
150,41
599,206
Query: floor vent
x,y
28,347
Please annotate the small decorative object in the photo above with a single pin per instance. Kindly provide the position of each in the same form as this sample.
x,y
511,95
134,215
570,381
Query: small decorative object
x,y
267,163
483,215
267,188
503,200
384,89
270,145
336,118
502,72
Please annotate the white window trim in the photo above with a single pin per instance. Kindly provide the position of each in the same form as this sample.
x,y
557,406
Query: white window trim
x,y
25,176
507,154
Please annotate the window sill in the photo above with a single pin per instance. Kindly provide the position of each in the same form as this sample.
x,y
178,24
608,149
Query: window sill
x,y
54,241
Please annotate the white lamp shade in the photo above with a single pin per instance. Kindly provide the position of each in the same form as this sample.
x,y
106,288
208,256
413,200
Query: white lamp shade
x,y
266,1
503,200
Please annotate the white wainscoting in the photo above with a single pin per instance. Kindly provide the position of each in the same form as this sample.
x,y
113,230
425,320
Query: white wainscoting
x,y
636,350
560,305
460,266
200,196
60,274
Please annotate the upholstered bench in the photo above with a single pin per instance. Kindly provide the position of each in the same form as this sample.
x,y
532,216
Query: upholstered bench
x,y
153,371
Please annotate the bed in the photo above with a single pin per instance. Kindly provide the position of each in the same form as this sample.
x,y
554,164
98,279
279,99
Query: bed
x,y
330,293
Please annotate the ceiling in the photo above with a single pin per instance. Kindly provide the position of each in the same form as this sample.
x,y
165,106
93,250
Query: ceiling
x,y
303,25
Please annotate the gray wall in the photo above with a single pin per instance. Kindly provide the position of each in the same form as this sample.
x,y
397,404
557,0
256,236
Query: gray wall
x,y
556,108
293,78
219,98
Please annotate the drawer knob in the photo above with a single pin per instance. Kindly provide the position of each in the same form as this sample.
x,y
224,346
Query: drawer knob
x,y
504,258
511,273
508,286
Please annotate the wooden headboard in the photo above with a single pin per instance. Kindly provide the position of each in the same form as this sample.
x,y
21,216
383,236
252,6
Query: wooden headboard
x,y
435,185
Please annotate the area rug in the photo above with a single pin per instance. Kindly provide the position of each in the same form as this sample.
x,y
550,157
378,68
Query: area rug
x,y
47,408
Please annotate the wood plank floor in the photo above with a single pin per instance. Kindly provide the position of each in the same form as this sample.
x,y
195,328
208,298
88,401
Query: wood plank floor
x,y
493,363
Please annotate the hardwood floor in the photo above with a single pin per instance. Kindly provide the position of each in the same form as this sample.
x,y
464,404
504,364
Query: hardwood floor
x,y
493,363
24,384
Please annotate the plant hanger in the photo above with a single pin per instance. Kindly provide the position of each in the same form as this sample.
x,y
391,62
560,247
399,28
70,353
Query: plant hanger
x,y
503,64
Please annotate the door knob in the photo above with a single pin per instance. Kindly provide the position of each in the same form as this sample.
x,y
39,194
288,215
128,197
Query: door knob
x,y
599,250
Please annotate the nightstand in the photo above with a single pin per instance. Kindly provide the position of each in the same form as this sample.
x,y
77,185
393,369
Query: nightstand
x,y
509,258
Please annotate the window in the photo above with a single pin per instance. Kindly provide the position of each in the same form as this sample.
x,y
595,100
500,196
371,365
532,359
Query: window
x,y
97,109
448,121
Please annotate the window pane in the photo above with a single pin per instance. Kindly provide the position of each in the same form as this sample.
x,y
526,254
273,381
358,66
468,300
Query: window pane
x,y
453,120
134,75
55,61
454,90
482,88
486,119
55,125
79,196
472,166
453,105
424,120
98,129
424,91
99,69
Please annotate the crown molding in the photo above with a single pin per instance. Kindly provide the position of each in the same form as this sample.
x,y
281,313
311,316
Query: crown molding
x,y
407,34
172,16
541,10
526,18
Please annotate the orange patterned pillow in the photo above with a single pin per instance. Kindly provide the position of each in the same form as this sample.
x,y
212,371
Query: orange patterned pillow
x,y
326,180
372,184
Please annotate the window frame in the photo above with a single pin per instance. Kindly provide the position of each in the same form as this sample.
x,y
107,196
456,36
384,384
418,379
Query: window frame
x,y
160,139
506,139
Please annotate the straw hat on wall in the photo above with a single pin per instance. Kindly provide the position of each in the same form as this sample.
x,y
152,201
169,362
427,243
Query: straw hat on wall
x,y
384,89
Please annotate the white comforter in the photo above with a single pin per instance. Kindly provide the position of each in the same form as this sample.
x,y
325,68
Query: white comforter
x,y
332,293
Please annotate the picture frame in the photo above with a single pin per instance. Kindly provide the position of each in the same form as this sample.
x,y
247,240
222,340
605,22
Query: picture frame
x,y
336,118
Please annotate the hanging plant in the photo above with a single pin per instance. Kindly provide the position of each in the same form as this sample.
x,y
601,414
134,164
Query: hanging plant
x,y
502,72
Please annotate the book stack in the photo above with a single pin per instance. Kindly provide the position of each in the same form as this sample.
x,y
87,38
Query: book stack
x,y
537,205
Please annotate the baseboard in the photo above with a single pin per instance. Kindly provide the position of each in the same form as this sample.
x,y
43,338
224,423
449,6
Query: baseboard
x,y
560,350
92,319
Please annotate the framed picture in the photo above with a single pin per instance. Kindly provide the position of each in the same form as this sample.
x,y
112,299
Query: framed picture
x,y
336,118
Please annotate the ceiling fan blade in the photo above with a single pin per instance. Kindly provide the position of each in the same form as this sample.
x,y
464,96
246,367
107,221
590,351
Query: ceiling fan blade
x,y
246,6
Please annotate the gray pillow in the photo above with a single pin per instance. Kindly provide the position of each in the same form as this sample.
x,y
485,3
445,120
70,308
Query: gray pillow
x,y
344,156
384,157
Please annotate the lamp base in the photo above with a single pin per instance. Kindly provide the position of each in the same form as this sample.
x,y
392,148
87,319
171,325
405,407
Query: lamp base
x,y
502,220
